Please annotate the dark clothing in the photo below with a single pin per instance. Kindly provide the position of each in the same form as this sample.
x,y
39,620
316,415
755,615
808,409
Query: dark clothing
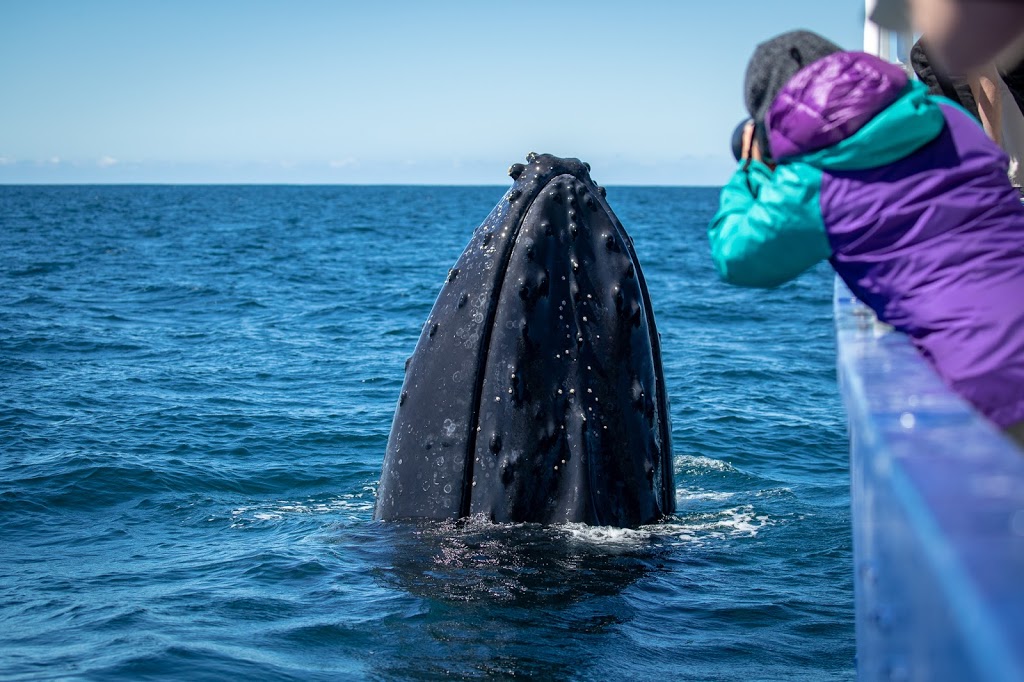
x,y
941,83
955,88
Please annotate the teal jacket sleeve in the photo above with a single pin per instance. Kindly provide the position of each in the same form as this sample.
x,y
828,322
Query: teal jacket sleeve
x,y
768,228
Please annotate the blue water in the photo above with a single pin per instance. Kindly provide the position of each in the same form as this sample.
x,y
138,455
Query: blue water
x,y
196,388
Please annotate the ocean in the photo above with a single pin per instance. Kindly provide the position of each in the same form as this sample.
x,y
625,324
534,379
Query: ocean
x,y
196,389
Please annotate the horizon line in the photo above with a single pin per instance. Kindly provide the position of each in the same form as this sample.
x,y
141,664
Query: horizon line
x,y
315,184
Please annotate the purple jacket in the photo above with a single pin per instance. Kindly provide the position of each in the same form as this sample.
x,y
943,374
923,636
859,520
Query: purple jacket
x,y
909,200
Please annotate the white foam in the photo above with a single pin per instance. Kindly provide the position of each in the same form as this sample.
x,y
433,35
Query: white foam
x,y
774,492
697,464
739,521
353,506
698,494
606,536
700,529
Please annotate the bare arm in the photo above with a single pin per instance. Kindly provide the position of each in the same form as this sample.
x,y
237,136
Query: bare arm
x,y
985,88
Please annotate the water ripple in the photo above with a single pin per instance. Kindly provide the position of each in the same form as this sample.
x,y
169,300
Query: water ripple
x,y
197,387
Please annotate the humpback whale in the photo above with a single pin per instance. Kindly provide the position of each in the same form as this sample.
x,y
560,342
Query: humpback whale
x,y
535,392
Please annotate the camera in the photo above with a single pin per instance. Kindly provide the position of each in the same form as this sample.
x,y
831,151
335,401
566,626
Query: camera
x,y
760,137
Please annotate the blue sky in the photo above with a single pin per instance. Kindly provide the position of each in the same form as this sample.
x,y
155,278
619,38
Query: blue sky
x,y
381,92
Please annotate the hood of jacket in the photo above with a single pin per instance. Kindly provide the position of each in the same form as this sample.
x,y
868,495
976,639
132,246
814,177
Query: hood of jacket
x,y
849,111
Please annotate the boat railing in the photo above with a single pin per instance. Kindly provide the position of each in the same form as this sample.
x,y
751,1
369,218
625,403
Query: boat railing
x,y
937,498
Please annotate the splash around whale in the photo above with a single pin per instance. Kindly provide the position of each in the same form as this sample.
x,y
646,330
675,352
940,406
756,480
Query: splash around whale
x,y
536,391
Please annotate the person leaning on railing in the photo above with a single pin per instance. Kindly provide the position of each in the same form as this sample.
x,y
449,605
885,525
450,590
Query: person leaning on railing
x,y
848,160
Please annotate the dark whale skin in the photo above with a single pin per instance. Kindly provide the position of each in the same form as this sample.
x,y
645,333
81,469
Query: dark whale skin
x,y
536,393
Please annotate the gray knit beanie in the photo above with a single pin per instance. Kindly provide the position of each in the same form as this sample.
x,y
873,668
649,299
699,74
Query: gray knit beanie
x,y
777,60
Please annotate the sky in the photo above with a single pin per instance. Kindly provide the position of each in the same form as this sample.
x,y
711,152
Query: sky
x,y
381,91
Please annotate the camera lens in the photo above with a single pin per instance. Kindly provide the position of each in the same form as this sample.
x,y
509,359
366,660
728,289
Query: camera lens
x,y
737,139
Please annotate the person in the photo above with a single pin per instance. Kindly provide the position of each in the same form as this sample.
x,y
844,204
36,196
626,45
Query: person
x,y
982,92
965,34
848,160
976,91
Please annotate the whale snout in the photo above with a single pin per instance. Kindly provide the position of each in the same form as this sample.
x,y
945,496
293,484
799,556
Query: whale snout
x,y
543,349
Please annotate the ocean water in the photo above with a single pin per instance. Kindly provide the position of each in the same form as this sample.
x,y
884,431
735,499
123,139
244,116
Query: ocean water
x,y
196,388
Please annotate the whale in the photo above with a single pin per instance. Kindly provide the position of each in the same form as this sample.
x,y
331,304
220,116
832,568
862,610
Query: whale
x,y
535,393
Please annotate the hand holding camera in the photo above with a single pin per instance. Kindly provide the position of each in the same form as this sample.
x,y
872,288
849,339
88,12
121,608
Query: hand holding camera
x,y
747,144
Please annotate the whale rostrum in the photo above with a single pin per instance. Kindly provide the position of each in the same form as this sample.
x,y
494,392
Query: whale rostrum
x,y
536,391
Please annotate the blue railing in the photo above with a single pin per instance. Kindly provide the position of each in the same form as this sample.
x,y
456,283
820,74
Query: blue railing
x,y
938,516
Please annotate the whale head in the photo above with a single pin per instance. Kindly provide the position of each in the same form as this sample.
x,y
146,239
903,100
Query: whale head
x,y
536,392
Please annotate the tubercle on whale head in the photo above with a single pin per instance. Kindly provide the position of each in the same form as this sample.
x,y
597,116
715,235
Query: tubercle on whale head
x,y
531,178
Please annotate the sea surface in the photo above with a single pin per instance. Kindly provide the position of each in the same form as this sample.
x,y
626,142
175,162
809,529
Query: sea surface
x,y
196,389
